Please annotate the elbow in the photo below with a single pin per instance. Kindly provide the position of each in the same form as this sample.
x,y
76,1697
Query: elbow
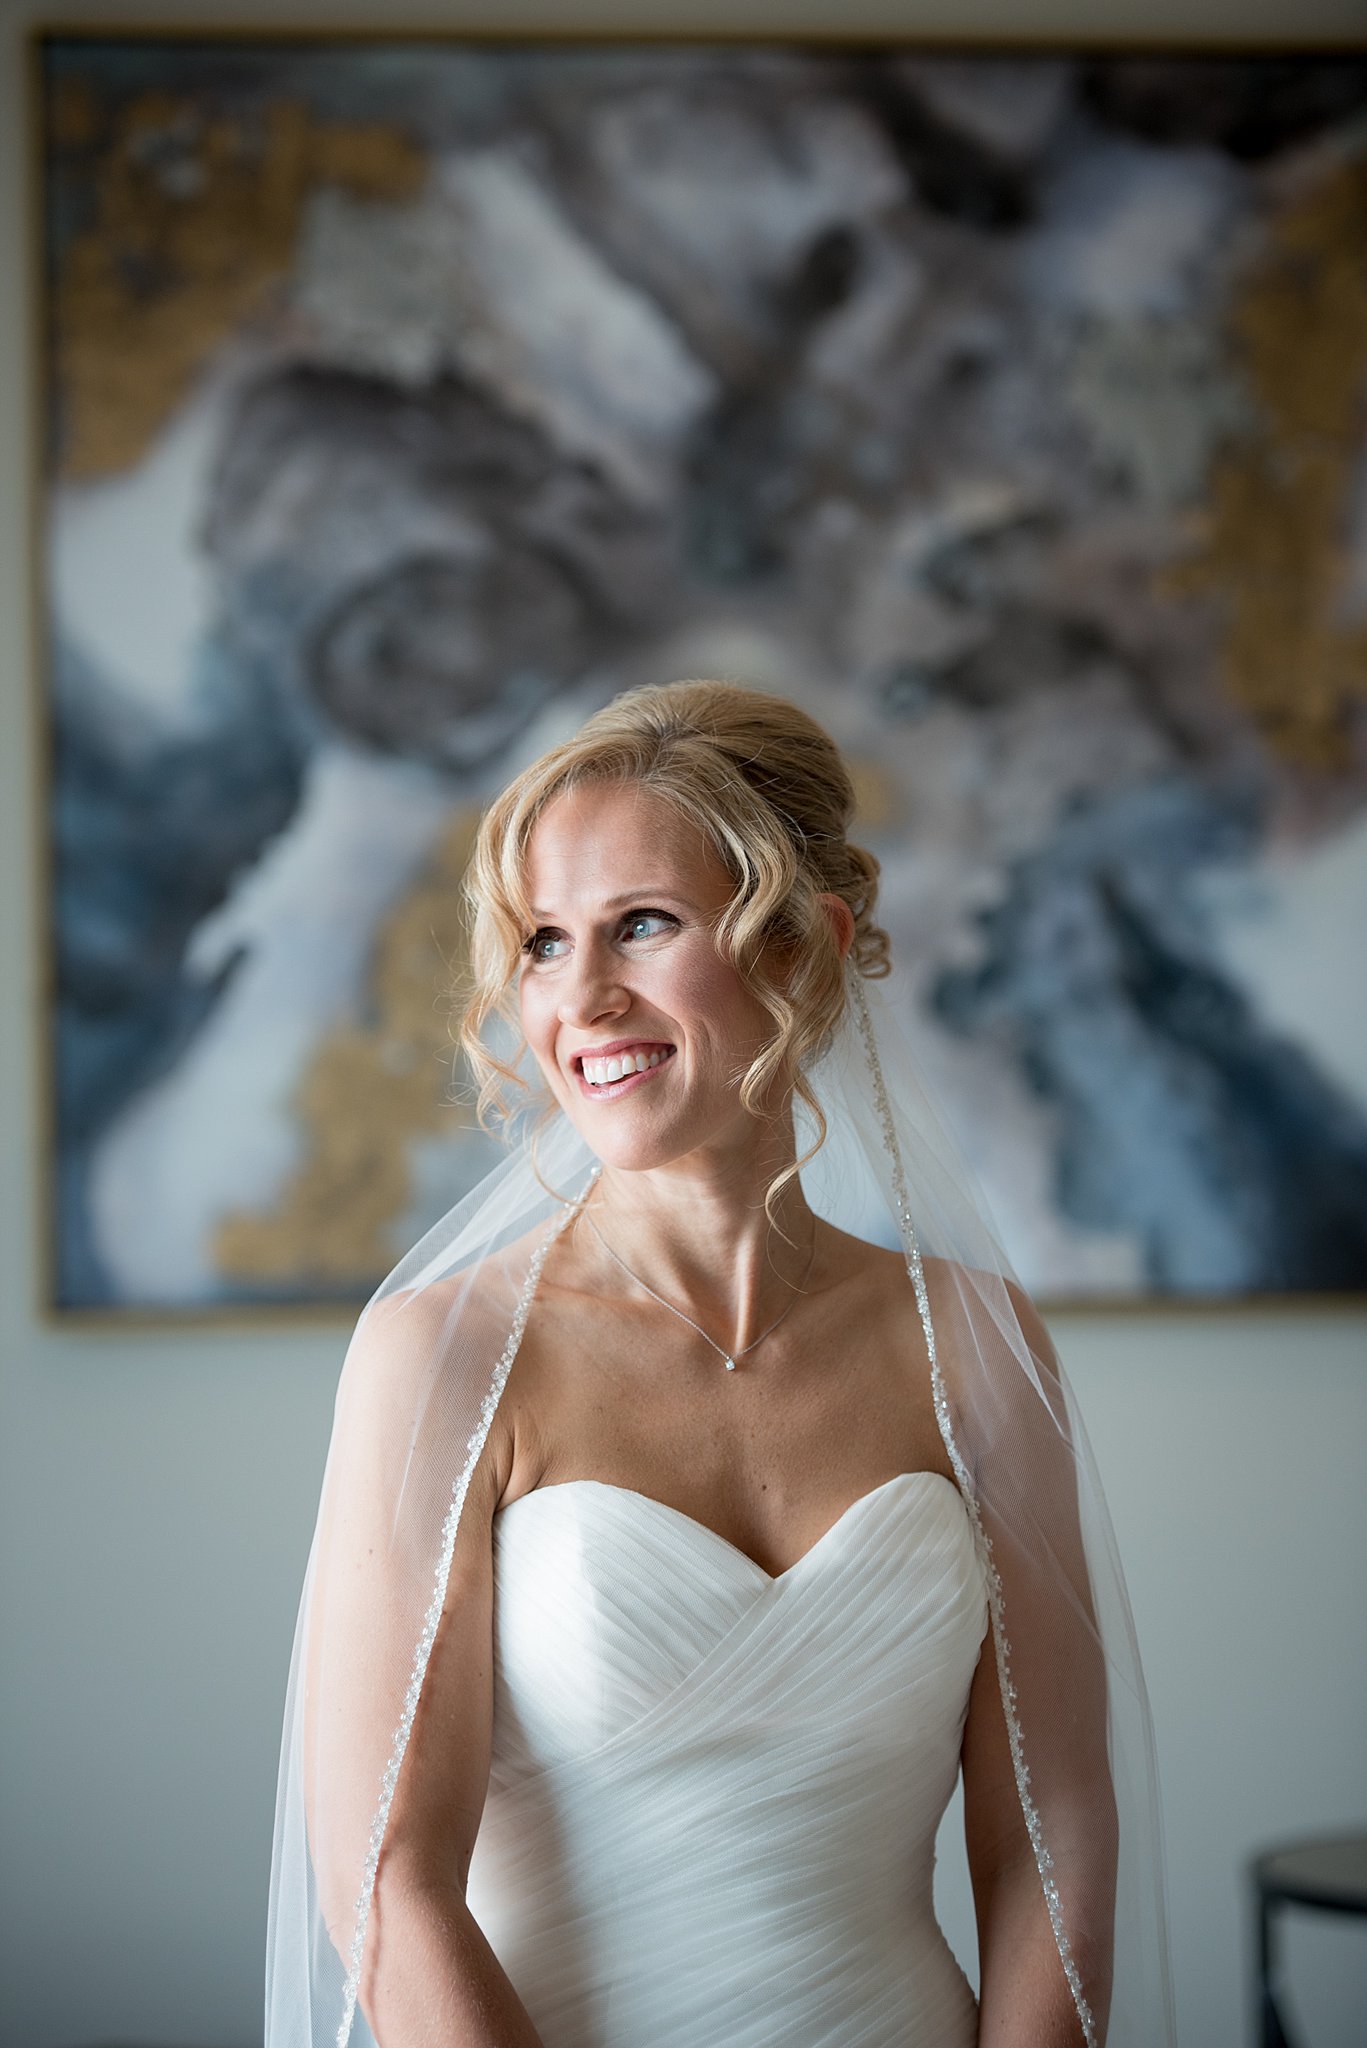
x,y
337,1903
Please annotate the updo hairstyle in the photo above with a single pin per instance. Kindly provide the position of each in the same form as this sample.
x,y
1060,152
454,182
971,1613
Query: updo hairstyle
x,y
771,793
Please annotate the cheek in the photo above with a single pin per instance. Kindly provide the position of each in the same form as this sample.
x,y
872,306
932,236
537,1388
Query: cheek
x,y
534,1012
711,992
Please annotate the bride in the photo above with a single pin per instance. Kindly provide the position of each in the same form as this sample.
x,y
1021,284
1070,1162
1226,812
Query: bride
x,y
679,1547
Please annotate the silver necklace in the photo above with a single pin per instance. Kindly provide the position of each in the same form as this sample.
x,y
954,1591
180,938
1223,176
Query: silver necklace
x,y
728,1358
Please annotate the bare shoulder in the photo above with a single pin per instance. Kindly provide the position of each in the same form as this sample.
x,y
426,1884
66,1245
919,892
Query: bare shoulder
x,y
878,1276
860,1264
871,1290
420,1364
406,1338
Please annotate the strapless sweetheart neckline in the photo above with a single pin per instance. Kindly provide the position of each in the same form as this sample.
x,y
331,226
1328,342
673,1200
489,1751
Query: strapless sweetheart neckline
x,y
714,1790
705,1529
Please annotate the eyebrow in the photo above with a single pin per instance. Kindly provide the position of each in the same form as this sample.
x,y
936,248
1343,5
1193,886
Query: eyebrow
x,y
648,893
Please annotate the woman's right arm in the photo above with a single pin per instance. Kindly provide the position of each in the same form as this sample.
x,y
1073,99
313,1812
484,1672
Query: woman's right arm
x,y
431,1979
428,1978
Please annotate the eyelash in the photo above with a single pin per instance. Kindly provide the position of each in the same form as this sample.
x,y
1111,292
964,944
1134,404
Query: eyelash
x,y
632,917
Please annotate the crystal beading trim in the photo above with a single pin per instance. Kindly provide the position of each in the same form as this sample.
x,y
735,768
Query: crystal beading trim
x,y
421,1655
1044,1861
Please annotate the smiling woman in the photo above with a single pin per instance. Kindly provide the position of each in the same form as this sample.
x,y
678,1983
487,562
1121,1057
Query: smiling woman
x,y
616,986
626,1708
774,888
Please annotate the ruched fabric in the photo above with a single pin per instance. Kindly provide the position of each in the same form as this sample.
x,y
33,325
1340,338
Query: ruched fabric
x,y
714,1796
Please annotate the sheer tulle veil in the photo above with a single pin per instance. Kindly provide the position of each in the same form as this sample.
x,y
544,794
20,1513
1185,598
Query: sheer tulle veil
x,y
422,1381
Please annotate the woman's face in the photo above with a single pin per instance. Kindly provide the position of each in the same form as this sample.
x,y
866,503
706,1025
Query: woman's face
x,y
640,1026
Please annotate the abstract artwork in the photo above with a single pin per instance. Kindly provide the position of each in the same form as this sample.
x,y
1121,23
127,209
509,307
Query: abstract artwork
x,y
404,400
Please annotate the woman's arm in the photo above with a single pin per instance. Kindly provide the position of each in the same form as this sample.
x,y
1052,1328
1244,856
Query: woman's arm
x,y
1024,2000
1026,1471
448,1990
428,1978
431,1979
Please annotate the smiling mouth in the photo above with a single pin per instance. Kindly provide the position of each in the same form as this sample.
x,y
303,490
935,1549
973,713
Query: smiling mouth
x,y
598,1076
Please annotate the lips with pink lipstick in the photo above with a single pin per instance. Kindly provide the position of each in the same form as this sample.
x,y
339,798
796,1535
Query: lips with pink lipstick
x,y
619,1065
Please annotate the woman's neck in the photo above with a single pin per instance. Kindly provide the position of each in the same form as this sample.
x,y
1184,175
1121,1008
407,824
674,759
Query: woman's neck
x,y
697,1233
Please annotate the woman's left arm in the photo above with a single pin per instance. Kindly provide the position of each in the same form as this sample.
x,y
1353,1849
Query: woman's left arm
x,y
1024,2000
1029,1504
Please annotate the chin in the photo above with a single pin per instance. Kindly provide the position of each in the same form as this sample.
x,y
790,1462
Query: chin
x,y
628,1150
628,1156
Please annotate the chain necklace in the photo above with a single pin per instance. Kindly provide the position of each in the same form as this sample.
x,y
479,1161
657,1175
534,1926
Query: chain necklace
x,y
728,1358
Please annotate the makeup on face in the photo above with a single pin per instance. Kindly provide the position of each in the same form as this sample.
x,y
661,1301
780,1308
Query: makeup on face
x,y
640,1024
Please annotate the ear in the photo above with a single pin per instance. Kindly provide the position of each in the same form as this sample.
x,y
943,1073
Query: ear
x,y
842,921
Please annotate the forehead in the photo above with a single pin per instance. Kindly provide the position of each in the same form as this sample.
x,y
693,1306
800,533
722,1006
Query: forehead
x,y
604,838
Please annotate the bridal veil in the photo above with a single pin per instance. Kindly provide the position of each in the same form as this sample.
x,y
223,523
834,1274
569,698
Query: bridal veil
x,y
422,1380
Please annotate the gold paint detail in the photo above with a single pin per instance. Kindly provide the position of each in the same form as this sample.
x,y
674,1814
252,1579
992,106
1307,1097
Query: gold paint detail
x,y
195,217
877,805
368,1092
1272,547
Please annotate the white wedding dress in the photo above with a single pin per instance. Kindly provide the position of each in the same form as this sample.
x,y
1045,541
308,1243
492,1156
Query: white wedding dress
x,y
714,1796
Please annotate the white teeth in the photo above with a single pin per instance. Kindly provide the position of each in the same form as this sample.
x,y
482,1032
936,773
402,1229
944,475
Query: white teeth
x,y
602,1073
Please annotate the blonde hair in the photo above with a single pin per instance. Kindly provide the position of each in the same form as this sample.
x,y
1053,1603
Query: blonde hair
x,y
771,793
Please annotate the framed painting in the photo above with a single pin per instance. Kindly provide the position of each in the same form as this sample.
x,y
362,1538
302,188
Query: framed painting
x,y
402,400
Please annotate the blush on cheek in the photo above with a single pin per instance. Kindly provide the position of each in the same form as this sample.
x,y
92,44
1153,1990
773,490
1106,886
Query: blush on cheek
x,y
537,1032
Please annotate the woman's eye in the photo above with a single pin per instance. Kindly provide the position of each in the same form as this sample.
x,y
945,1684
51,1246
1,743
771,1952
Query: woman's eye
x,y
549,944
648,924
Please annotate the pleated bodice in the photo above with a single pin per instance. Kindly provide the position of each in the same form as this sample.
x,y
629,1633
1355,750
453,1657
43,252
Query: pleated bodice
x,y
714,1796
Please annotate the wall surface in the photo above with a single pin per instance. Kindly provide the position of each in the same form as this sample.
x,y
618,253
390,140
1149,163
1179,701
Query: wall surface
x,y
157,1490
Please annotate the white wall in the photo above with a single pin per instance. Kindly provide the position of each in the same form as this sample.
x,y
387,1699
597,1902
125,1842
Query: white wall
x,y
157,1491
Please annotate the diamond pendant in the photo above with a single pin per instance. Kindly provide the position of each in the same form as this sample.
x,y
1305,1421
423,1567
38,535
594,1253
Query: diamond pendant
x,y
730,1365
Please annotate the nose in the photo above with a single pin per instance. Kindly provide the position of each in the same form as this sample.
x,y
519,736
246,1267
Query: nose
x,y
593,988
